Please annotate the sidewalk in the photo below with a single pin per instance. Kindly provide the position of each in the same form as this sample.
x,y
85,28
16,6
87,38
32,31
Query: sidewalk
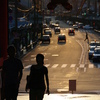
x,y
25,96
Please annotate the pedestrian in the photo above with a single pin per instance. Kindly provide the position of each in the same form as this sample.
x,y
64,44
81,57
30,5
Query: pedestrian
x,y
12,72
86,37
37,81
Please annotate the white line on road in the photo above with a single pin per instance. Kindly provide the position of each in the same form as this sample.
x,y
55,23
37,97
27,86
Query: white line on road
x,y
91,66
64,65
55,55
47,65
55,65
28,66
73,65
82,66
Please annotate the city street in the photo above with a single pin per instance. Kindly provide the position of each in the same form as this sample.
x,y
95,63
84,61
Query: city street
x,y
66,61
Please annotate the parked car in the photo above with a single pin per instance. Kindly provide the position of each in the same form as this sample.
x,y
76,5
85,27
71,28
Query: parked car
x,y
71,31
61,38
46,39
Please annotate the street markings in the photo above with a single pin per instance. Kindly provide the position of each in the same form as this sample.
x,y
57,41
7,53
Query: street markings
x,y
73,65
81,65
91,66
55,55
55,65
64,65
47,65
78,67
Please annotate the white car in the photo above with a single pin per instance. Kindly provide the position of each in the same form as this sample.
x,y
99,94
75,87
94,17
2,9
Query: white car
x,y
87,27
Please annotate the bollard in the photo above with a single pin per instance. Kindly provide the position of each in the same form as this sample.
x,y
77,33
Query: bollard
x,y
72,85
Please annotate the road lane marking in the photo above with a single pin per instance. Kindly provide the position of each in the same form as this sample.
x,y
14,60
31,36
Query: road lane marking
x,y
64,65
47,65
73,65
28,66
82,66
33,55
55,65
91,66
55,55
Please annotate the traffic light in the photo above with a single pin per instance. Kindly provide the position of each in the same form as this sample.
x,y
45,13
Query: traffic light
x,y
52,5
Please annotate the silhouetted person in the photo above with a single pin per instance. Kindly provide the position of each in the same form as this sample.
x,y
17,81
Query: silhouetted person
x,y
37,81
86,37
12,74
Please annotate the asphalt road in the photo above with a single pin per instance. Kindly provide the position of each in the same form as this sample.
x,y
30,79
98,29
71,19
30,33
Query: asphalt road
x,y
66,61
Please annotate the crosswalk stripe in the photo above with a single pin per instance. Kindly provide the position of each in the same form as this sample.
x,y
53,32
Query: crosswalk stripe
x,y
55,65
28,66
81,65
47,65
73,65
91,66
64,65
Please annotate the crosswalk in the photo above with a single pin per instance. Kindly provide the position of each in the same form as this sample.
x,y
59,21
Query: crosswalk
x,y
84,66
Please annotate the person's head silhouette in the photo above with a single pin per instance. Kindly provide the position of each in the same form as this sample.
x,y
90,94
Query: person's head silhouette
x,y
11,51
40,59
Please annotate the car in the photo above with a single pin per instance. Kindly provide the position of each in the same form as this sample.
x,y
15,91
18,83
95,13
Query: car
x,y
52,25
45,25
94,43
48,32
80,25
96,55
90,52
57,29
75,27
61,38
46,29
87,27
71,31
46,39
